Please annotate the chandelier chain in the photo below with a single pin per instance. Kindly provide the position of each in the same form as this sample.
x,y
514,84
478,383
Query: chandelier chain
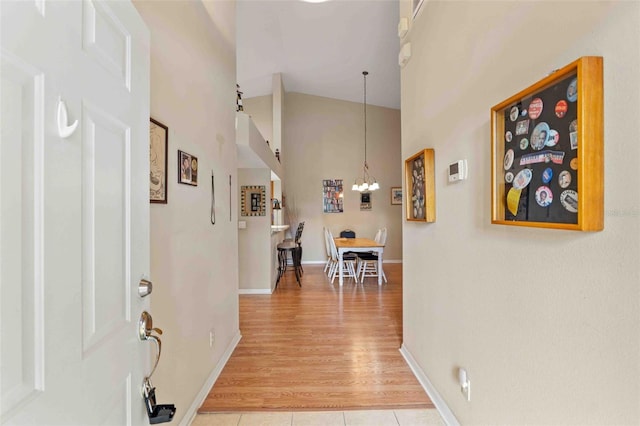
x,y
365,119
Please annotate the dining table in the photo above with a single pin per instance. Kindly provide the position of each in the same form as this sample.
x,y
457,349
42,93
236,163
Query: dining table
x,y
360,245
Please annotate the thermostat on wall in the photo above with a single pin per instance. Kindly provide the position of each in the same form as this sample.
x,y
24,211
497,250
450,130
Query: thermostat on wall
x,y
458,171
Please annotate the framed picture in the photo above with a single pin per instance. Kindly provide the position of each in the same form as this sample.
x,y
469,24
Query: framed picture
x,y
420,204
332,196
547,152
396,195
365,201
253,201
158,145
187,168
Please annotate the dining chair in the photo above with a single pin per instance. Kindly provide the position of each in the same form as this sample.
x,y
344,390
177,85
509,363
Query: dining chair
x,y
327,247
348,263
368,262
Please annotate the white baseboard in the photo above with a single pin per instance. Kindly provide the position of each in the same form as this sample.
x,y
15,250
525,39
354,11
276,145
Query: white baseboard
x,y
190,415
441,406
322,262
254,291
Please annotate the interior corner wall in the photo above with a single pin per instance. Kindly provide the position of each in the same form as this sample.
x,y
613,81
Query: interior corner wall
x,y
254,242
545,321
194,266
324,139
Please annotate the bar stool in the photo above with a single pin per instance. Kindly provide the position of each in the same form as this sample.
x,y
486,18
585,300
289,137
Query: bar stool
x,y
295,248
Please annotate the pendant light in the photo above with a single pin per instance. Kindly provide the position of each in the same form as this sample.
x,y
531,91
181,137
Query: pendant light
x,y
366,183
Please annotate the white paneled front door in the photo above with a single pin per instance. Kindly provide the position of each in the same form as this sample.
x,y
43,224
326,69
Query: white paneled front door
x,y
74,215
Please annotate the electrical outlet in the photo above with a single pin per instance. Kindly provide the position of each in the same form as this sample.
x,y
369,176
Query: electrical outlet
x,y
212,337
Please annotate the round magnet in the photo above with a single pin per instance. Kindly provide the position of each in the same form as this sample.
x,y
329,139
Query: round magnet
x,y
508,177
539,136
572,90
513,114
522,179
547,175
535,108
564,179
544,196
569,200
508,136
552,138
573,126
574,163
561,108
524,143
508,159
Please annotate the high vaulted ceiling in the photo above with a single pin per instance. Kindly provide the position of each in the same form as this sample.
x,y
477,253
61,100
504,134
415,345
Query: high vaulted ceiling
x,y
320,48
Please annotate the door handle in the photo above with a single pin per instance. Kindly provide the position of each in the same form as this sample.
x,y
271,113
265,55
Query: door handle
x,y
145,330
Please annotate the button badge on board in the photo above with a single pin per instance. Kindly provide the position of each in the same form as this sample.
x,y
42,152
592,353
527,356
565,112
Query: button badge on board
x,y
552,138
508,136
547,175
539,136
572,90
544,196
535,108
524,143
514,113
569,200
508,177
508,159
561,108
564,179
574,163
522,179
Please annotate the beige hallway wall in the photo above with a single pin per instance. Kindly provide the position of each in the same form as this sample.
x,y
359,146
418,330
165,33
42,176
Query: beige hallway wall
x,y
194,263
545,321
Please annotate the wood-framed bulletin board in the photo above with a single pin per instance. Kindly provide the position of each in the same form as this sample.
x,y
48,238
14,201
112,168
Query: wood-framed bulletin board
x,y
547,152
420,199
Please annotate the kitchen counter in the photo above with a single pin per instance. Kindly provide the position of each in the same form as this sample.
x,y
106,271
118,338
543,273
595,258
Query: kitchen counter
x,y
278,228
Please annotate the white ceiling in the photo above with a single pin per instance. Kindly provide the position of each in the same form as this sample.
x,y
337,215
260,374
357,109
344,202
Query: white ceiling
x,y
320,48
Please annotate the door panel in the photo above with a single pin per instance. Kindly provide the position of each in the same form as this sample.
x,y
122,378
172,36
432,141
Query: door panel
x,y
21,284
74,212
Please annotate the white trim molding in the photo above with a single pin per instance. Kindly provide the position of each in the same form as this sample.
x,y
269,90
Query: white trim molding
x,y
206,388
254,291
438,401
322,262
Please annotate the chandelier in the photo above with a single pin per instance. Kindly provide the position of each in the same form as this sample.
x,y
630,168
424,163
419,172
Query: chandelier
x,y
367,182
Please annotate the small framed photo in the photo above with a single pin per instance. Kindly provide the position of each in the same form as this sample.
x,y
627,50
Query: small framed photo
x,y
396,195
187,169
253,200
158,143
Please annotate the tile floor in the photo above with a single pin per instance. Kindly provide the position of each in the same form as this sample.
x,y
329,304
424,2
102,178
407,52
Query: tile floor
x,y
324,418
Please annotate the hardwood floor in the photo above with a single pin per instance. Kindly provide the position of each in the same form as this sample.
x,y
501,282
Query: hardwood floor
x,y
319,347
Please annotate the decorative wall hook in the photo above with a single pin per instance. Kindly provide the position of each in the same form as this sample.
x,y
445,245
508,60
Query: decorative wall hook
x,y
64,130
